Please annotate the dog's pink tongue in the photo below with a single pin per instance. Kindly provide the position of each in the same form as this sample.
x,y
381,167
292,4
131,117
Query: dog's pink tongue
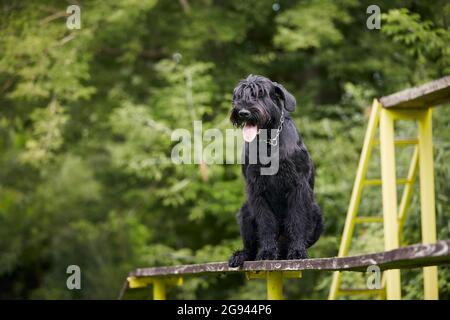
x,y
249,132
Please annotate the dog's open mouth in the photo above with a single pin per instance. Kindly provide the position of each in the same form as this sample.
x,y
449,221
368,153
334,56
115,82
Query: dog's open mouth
x,y
249,132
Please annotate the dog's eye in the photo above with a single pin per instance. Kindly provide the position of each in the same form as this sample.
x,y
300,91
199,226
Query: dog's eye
x,y
261,92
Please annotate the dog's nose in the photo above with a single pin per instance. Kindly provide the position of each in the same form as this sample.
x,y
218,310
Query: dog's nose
x,y
244,113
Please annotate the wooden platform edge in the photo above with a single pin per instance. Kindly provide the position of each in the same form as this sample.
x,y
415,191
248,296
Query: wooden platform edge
x,y
412,256
427,95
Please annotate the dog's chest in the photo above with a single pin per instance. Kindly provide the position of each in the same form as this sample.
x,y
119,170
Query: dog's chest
x,y
276,186
279,186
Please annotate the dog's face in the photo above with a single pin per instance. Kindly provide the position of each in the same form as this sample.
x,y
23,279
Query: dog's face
x,y
258,104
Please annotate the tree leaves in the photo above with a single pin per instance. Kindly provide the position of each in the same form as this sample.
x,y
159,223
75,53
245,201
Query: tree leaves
x,y
86,118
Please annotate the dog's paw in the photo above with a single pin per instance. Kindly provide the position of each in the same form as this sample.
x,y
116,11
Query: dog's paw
x,y
297,253
267,254
237,259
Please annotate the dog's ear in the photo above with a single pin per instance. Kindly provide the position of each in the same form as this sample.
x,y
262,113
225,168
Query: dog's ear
x,y
287,98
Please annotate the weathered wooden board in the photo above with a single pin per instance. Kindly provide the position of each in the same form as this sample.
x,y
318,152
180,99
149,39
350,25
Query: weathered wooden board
x,y
414,256
430,94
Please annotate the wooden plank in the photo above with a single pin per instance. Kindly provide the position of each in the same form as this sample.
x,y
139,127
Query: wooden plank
x,y
413,256
427,95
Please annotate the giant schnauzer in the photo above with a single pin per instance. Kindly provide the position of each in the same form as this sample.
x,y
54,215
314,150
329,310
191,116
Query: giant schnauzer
x,y
280,218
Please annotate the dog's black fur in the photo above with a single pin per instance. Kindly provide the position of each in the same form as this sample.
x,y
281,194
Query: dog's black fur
x,y
280,218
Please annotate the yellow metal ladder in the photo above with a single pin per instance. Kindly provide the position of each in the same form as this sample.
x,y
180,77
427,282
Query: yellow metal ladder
x,y
394,214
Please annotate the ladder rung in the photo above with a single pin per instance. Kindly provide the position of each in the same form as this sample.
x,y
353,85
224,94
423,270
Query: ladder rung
x,y
368,219
360,291
372,182
378,182
400,141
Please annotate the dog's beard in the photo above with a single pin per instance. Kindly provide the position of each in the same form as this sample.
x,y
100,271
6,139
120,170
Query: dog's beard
x,y
251,125
260,118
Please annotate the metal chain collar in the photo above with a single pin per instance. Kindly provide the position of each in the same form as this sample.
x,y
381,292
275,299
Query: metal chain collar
x,y
274,141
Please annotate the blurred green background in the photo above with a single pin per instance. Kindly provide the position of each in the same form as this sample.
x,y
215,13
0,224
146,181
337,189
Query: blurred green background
x,y
86,117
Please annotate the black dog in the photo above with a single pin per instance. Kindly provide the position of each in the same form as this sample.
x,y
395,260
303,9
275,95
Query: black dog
x,y
280,218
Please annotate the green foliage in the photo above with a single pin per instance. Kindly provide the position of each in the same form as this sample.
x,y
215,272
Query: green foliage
x,y
86,118
311,24
422,40
47,134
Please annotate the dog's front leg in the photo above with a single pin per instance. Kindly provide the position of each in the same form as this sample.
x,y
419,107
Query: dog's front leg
x,y
299,206
249,238
267,228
